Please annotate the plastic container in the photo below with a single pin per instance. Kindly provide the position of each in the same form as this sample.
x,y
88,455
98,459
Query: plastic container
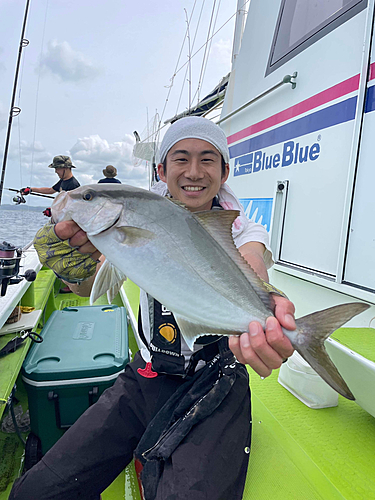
x,y
297,376
83,351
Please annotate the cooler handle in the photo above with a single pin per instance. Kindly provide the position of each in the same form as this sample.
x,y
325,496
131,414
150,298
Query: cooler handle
x,y
52,396
93,395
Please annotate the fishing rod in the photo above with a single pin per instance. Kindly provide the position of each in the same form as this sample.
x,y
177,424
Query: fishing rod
x,y
20,198
14,110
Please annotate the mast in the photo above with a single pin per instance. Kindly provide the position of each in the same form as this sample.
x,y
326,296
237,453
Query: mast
x,y
238,30
14,110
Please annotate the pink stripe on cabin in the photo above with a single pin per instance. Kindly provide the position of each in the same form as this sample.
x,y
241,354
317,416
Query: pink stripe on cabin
x,y
339,90
372,72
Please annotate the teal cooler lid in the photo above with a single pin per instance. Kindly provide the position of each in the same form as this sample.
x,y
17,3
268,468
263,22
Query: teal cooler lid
x,y
80,342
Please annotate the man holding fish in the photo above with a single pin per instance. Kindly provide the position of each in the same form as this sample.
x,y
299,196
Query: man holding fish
x,y
182,407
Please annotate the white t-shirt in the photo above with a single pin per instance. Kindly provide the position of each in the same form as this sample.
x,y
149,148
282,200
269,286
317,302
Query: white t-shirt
x,y
243,230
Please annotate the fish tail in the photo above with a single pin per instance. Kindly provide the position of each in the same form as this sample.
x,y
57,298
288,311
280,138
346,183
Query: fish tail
x,y
313,330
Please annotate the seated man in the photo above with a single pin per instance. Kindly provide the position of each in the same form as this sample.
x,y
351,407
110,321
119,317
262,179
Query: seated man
x,y
189,425
109,173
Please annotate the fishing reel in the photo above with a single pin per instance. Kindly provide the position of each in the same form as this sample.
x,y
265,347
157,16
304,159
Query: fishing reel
x,y
19,198
10,258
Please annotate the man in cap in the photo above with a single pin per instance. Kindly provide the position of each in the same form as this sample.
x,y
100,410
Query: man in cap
x,y
109,173
185,415
63,168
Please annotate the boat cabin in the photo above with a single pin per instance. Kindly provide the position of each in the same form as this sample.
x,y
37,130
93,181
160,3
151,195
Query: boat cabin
x,y
299,117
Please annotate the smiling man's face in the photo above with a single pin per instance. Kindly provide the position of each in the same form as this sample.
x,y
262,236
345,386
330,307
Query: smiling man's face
x,y
194,173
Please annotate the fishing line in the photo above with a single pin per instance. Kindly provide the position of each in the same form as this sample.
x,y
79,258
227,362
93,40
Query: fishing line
x,y
18,117
37,91
24,213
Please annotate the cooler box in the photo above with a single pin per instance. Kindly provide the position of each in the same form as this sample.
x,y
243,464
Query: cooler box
x,y
83,351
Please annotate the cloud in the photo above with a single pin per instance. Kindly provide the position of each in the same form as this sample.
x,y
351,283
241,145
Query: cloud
x,y
221,52
27,165
92,154
33,161
66,64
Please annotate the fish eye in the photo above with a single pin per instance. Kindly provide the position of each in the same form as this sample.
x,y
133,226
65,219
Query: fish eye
x,y
88,196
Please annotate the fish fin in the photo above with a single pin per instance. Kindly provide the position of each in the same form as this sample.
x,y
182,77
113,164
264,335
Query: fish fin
x,y
134,236
218,223
313,330
192,331
109,279
112,292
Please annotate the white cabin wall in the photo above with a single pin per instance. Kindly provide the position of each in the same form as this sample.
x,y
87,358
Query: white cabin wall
x,y
361,245
310,296
320,70
317,188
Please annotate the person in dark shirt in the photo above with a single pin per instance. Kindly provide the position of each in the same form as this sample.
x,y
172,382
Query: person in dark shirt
x,y
109,173
67,182
63,168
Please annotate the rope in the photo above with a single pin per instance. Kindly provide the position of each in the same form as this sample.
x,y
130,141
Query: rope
x,y
172,79
209,50
216,32
206,50
185,64
189,58
184,80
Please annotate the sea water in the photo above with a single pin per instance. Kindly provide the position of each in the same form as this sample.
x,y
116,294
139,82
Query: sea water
x,y
20,226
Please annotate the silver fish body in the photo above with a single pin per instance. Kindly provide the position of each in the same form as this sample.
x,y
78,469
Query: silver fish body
x,y
189,263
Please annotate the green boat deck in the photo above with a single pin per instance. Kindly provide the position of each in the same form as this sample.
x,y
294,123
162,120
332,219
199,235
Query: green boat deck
x,y
297,452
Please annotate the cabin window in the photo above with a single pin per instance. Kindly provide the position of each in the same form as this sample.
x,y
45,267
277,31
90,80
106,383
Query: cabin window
x,y
302,22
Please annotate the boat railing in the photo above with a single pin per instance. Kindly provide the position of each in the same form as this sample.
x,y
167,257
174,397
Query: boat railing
x,y
287,79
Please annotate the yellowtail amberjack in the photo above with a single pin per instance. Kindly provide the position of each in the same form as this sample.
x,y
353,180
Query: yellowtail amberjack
x,y
189,263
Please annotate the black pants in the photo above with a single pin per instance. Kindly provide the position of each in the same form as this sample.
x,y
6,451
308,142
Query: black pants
x,y
209,463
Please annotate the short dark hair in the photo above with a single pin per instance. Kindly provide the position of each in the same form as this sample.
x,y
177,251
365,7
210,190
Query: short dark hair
x,y
222,165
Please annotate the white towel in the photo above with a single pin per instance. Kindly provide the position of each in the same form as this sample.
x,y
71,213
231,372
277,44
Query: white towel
x,y
194,127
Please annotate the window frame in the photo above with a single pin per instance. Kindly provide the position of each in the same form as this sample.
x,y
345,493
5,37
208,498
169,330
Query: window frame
x,y
333,22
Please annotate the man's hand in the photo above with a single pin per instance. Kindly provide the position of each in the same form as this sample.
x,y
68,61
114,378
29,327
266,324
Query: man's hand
x,y
69,230
265,351
25,191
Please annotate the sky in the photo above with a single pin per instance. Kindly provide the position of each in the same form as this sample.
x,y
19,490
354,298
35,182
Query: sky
x,y
94,72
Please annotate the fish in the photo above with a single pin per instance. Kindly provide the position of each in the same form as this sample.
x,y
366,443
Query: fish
x,y
189,263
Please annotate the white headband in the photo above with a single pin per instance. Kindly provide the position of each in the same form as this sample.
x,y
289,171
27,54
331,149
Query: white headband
x,y
194,127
